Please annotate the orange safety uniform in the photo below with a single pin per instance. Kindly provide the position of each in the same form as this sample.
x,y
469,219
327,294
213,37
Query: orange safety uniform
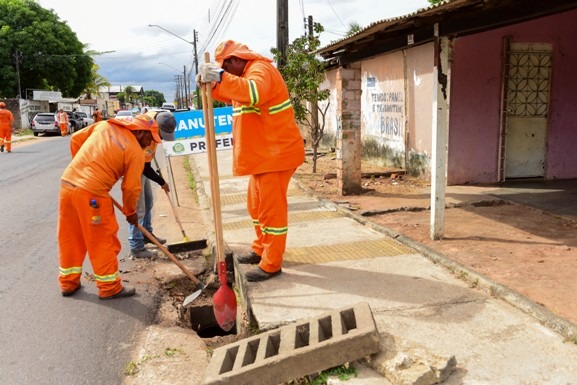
x,y
97,116
6,122
63,123
267,146
102,154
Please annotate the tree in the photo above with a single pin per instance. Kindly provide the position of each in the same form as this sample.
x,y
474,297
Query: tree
x,y
96,82
154,98
354,27
303,74
129,91
39,51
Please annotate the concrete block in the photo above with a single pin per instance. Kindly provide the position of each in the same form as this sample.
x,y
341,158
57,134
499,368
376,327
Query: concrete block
x,y
296,350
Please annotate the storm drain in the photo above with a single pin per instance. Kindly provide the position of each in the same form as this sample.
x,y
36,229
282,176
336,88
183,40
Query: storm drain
x,y
296,350
203,322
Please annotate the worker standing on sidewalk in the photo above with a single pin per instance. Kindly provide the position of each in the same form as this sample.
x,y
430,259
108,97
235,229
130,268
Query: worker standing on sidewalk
x,y
267,146
6,125
101,154
63,122
166,125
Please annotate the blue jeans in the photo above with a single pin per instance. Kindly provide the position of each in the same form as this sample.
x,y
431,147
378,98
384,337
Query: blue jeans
x,y
144,211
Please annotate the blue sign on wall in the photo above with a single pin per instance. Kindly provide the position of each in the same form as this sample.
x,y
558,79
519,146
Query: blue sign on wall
x,y
190,124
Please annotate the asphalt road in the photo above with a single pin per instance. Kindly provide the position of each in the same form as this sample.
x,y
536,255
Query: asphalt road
x,y
46,338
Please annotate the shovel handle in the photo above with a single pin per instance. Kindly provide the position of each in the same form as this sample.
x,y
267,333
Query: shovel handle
x,y
161,247
174,212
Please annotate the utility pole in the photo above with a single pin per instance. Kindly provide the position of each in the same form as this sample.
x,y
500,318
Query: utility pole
x,y
282,33
198,101
185,89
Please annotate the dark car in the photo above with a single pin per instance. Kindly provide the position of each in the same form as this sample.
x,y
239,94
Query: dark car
x,y
75,121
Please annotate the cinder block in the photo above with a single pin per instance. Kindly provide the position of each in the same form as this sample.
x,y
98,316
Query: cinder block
x,y
296,350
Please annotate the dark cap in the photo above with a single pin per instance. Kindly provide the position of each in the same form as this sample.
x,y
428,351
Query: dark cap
x,y
166,124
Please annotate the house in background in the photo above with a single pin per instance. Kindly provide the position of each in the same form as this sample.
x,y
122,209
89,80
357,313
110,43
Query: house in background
x,y
109,103
481,91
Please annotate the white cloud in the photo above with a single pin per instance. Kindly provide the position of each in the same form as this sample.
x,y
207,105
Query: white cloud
x,y
122,26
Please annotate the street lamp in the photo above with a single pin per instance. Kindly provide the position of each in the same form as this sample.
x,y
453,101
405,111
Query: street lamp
x,y
198,105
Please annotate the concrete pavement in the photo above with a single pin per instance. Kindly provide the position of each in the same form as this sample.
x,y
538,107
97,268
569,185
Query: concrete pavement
x,y
334,260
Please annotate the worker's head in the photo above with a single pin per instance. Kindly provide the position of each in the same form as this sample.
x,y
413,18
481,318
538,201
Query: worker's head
x,y
96,109
2,105
232,56
166,123
143,127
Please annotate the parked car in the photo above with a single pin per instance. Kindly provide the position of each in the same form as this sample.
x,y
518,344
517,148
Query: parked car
x,y
86,120
45,123
123,113
168,106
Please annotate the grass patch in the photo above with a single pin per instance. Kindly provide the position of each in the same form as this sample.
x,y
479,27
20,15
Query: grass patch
x,y
342,372
190,177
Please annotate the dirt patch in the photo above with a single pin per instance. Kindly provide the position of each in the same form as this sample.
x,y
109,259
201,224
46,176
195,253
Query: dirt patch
x,y
527,250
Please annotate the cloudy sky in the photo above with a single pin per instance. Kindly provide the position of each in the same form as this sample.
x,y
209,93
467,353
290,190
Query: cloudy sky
x,y
152,58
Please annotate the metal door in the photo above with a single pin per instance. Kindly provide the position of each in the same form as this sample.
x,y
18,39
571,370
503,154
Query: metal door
x,y
528,84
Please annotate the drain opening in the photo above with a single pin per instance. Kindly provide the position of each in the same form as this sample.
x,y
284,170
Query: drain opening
x,y
203,322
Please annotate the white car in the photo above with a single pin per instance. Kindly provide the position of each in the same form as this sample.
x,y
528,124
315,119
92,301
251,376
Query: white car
x,y
123,113
86,120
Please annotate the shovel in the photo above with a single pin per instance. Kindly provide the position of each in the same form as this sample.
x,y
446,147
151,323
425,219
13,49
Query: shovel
x,y
224,300
201,286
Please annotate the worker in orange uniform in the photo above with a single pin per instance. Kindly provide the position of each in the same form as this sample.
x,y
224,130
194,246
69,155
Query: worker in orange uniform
x,y
96,115
63,122
101,154
6,125
267,146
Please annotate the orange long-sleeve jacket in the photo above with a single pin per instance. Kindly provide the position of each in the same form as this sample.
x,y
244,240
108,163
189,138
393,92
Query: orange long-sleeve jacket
x,y
266,137
6,118
101,155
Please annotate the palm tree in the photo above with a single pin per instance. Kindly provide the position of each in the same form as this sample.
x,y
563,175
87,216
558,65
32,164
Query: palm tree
x,y
93,87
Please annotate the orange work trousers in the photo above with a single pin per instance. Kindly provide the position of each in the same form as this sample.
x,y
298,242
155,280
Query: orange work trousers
x,y
267,206
81,229
63,129
6,138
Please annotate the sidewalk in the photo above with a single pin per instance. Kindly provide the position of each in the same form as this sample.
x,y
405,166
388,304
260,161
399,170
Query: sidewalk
x,y
427,307
335,259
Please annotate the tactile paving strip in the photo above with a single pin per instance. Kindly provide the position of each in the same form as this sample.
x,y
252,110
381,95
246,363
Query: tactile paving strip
x,y
386,247
232,199
293,218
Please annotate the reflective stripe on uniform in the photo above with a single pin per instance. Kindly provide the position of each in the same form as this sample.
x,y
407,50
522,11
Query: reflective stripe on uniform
x,y
106,278
280,107
70,270
274,230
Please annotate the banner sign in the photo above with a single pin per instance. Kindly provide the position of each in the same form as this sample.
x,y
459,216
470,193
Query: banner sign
x,y
189,134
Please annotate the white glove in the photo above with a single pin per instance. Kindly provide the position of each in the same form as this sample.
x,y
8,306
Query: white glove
x,y
210,72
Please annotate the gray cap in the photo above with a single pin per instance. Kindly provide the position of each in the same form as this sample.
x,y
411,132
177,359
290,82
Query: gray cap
x,y
166,125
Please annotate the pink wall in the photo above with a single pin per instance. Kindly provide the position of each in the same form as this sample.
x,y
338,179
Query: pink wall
x,y
476,92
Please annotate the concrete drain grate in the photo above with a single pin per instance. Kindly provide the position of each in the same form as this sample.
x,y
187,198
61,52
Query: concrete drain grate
x,y
347,251
296,350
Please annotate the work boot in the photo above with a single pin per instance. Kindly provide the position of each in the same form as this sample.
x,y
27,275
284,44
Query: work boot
x,y
249,258
162,241
72,292
142,253
2,148
125,292
259,274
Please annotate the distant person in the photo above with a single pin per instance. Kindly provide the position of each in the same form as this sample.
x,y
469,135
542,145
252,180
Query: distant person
x,y
267,146
6,126
96,115
137,240
102,154
63,122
